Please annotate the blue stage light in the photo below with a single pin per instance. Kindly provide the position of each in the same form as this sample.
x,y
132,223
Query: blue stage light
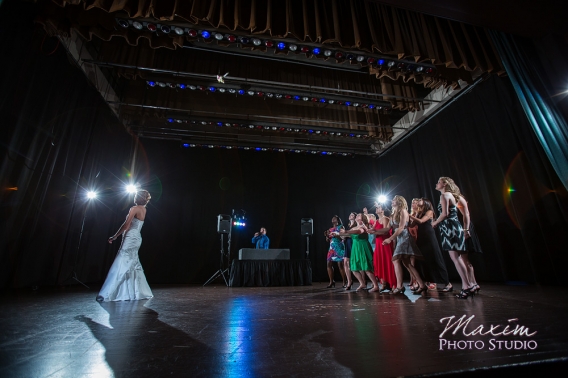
x,y
170,120
212,89
323,100
241,91
381,62
152,83
347,103
371,106
281,45
258,148
316,51
296,98
205,34
219,123
186,145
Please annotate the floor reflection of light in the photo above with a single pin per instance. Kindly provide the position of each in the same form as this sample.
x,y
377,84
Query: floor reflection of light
x,y
239,353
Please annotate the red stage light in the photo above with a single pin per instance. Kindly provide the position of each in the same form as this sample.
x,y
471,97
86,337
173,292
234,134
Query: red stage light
x,y
151,27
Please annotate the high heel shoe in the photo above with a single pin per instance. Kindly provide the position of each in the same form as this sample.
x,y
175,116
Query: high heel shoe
x,y
348,287
420,290
398,290
448,288
471,291
331,285
477,288
464,293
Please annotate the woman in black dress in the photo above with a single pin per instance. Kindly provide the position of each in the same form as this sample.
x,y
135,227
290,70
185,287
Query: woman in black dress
x,y
451,231
472,244
435,268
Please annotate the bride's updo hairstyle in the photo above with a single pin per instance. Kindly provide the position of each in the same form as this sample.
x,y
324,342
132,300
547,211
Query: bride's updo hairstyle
x,y
142,197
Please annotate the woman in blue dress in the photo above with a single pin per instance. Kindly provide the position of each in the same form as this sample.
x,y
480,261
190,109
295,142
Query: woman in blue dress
x,y
336,251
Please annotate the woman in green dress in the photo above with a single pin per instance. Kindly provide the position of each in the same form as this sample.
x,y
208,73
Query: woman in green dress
x,y
361,261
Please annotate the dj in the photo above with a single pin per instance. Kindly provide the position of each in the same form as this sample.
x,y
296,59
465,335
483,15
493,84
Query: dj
x,y
260,239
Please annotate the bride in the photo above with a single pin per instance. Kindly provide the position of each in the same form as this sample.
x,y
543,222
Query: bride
x,y
125,280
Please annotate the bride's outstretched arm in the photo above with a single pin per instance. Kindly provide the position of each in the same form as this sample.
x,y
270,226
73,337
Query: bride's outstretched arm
x,y
125,226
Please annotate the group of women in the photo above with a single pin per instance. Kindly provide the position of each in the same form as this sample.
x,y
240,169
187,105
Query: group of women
x,y
403,239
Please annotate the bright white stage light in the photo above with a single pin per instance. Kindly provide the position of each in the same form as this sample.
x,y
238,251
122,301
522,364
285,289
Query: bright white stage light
x,y
131,188
382,198
91,195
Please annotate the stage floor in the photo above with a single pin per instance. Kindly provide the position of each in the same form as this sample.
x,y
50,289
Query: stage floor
x,y
311,331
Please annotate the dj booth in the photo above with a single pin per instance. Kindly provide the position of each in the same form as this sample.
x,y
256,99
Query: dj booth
x,y
269,267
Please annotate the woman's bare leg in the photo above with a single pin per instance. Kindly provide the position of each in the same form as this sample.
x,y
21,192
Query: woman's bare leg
x,y
342,272
462,270
330,271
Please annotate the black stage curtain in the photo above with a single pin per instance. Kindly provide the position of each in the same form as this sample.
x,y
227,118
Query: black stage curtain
x,y
517,202
59,140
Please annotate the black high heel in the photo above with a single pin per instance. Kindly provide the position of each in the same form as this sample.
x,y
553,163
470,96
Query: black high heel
x,y
331,285
348,288
464,293
420,290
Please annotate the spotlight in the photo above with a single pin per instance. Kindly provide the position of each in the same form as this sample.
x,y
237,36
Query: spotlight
x,y
316,51
166,29
192,33
137,25
360,58
91,195
322,100
281,45
305,49
327,53
218,36
269,43
131,188
205,34
123,23
256,42
292,47
151,83
338,55
382,198
231,38
245,40
241,91
178,30
212,89
181,86
151,27
185,145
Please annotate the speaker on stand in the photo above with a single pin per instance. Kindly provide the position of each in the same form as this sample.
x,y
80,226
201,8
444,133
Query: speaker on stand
x,y
307,229
223,227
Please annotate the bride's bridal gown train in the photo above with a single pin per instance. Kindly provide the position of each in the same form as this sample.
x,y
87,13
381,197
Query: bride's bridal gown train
x,y
126,280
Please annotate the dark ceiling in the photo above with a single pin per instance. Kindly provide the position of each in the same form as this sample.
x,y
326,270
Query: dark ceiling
x,y
292,100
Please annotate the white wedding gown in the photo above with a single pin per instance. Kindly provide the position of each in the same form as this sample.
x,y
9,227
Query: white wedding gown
x,y
126,280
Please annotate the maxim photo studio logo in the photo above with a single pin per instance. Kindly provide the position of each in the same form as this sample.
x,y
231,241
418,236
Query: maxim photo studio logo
x,y
511,336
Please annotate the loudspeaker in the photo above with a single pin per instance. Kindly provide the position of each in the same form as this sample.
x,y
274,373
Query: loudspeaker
x,y
223,224
307,226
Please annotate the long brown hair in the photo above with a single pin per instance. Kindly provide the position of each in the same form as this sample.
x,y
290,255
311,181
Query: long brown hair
x,y
451,187
427,205
400,205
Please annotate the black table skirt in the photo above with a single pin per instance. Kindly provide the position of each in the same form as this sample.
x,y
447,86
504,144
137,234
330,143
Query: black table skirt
x,y
270,273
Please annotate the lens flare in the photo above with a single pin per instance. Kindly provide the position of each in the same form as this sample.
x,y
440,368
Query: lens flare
x,y
382,198
91,195
131,188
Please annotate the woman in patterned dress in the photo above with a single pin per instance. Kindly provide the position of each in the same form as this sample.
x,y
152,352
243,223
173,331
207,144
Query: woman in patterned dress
x,y
451,231
336,250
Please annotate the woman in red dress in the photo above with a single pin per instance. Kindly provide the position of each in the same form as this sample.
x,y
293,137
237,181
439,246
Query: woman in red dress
x,y
382,258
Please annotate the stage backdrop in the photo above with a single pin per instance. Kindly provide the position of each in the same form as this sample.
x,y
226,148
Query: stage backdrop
x,y
61,139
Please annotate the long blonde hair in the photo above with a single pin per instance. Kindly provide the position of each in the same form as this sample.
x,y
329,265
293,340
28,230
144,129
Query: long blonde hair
x,y
400,205
451,187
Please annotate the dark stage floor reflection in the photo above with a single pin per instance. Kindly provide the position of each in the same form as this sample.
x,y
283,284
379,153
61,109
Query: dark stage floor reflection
x,y
312,331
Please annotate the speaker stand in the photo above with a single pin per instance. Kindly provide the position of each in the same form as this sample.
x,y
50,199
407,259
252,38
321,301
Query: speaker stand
x,y
308,247
221,272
